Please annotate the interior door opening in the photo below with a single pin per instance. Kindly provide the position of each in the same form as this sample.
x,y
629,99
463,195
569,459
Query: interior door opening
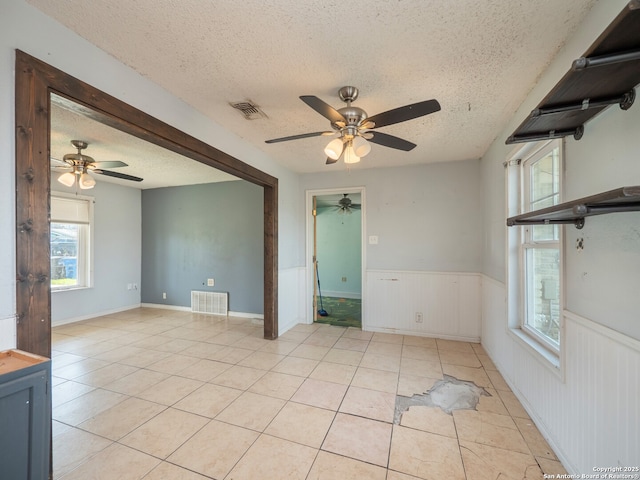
x,y
337,254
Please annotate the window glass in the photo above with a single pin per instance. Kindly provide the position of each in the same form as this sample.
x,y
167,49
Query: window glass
x,y
70,241
64,254
543,292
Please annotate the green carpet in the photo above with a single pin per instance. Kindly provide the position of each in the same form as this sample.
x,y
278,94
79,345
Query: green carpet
x,y
346,312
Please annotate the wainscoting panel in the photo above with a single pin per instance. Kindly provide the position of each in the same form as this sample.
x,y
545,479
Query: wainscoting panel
x,y
448,304
7,333
590,415
291,298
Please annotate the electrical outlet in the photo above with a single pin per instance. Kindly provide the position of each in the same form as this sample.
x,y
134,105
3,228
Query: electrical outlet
x,y
344,279
164,295
419,317
210,282
129,286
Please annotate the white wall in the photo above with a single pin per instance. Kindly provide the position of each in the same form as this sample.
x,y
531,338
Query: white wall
x,y
428,220
23,27
427,217
117,256
583,408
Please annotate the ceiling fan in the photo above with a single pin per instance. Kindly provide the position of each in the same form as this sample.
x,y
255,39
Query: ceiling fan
x,y
354,127
78,166
345,205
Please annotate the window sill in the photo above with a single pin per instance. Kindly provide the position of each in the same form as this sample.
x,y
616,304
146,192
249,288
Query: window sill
x,y
68,289
549,359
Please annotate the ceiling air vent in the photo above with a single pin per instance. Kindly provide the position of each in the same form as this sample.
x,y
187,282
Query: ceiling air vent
x,y
249,110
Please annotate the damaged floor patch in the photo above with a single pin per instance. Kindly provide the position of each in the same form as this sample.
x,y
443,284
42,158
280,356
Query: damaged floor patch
x,y
449,394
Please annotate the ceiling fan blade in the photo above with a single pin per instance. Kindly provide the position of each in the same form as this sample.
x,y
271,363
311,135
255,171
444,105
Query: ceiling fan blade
x,y
323,108
391,141
123,176
296,137
58,163
111,164
402,114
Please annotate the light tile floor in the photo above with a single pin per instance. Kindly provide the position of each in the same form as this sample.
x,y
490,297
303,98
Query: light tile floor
x,y
163,395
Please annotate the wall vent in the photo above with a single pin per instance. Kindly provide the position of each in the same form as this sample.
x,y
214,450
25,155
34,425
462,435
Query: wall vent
x,y
213,303
249,110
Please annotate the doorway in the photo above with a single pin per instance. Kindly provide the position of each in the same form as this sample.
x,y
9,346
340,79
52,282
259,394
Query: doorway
x,y
336,256
35,81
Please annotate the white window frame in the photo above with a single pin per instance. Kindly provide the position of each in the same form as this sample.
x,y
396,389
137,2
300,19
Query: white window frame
x,y
84,255
517,244
527,243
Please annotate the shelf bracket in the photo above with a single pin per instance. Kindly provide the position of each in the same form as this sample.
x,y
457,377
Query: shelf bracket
x,y
583,63
550,135
625,101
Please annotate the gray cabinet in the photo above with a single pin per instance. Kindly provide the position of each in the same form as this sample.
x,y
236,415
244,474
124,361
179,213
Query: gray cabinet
x,y
25,415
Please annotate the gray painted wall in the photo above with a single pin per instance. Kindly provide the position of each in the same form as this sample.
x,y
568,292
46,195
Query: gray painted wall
x,y
427,217
117,237
339,252
193,233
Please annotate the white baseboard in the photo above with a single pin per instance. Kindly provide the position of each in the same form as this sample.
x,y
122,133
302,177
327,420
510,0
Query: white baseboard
x,y
246,315
163,306
188,309
66,321
459,338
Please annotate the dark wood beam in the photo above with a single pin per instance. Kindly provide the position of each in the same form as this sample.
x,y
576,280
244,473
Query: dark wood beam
x,y
35,81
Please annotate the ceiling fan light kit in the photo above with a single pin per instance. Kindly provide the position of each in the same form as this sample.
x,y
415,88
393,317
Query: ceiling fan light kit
x,y
355,127
86,181
361,147
350,154
67,179
334,148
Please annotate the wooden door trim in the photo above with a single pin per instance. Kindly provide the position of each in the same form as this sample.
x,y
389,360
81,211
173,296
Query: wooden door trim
x,y
35,81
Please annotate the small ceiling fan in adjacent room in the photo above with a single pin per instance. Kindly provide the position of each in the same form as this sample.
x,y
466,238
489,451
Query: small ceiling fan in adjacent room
x,y
345,205
355,129
77,167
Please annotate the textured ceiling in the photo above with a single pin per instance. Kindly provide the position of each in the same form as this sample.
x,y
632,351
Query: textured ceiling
x,y
158,167
478,58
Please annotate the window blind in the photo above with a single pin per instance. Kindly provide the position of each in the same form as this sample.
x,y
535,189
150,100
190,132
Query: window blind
x,y
70,210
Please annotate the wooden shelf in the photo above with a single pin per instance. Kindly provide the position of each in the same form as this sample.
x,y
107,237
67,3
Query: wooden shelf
x,y
624,199
605,75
